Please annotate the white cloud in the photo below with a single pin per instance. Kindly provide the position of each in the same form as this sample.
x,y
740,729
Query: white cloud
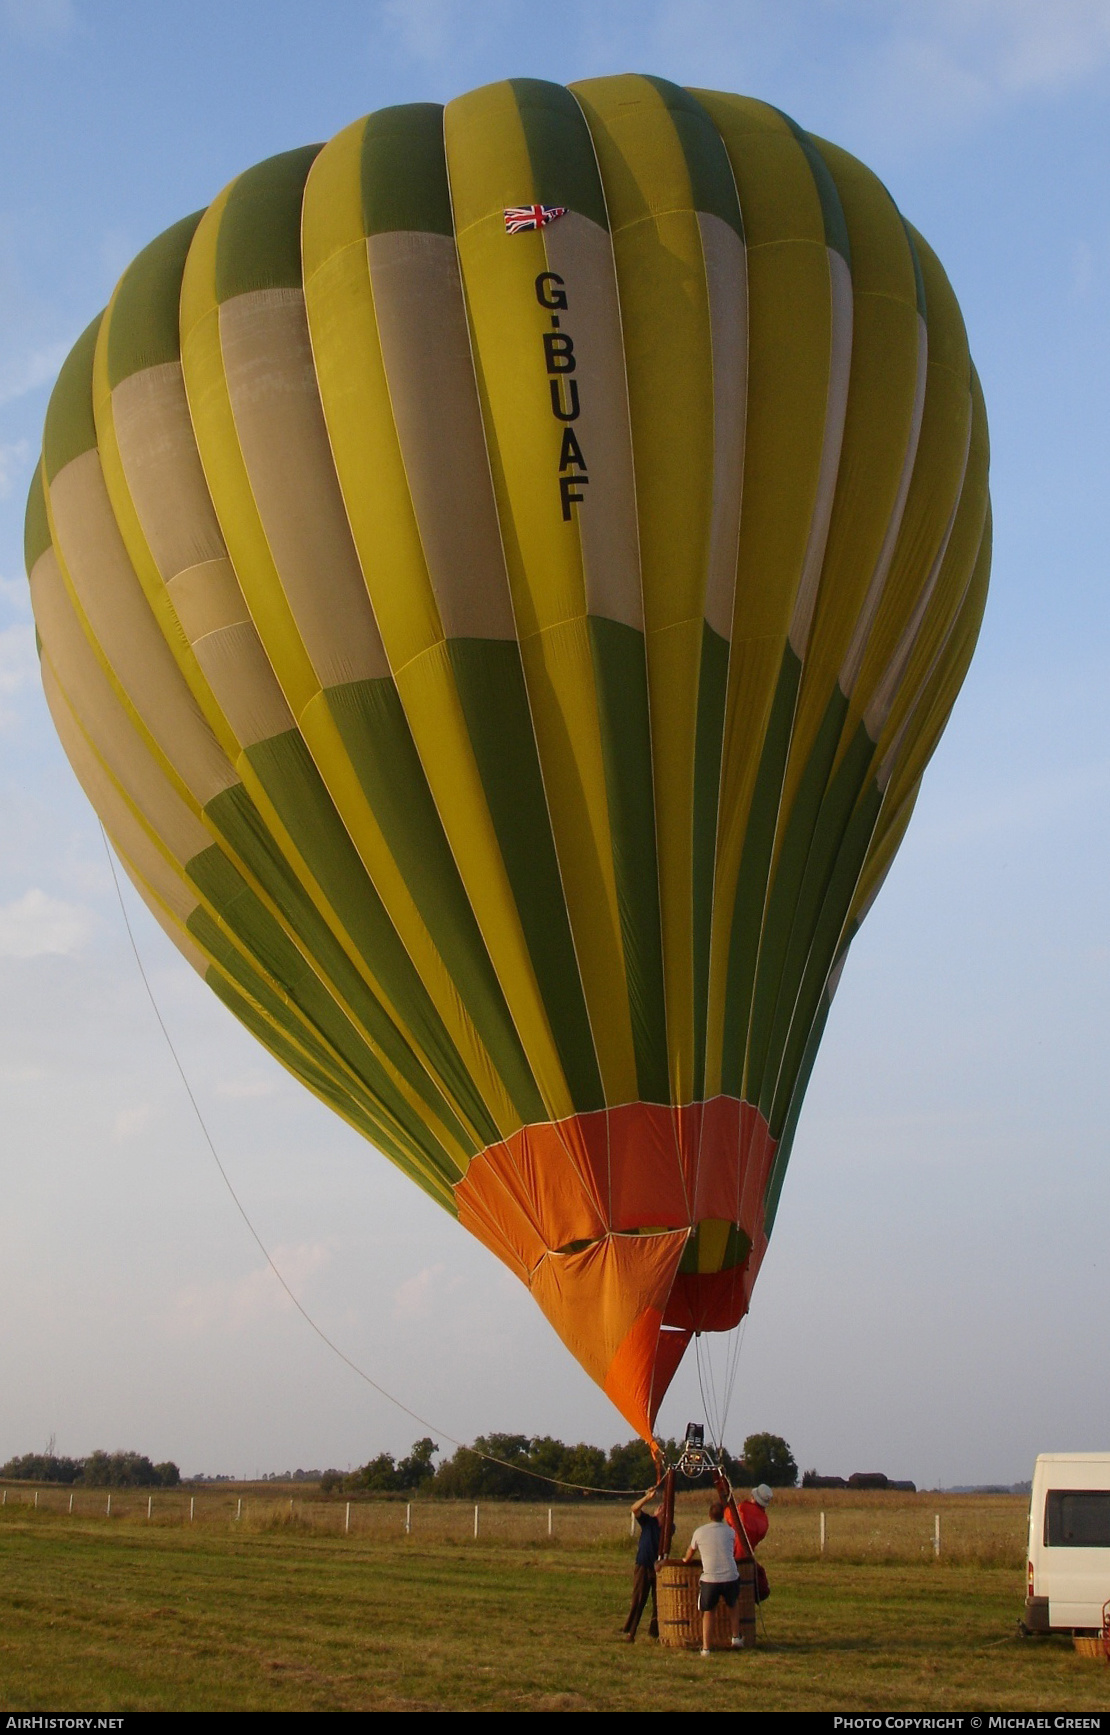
x,y
37,926
905,65
18,662
22,373
238,1089
117,249
228,1306
90,878
1083,271
450,36
15,595
1038,47
424,29
40,20
14,462
18,665
960,60
416,1298
130,1121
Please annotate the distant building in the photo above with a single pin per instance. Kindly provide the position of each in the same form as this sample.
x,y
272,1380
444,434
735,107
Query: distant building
x,y
860,1480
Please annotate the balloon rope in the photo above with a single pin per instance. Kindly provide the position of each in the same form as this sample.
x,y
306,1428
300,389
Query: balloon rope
x,y
736,1344
705,1404
718,1420
556,1481
717,1404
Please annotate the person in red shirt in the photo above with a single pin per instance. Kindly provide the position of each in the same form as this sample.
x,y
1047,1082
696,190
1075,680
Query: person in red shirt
x,y
753,1521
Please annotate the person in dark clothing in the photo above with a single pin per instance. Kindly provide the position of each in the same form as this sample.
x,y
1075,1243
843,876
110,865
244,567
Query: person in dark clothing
x,y
643,1573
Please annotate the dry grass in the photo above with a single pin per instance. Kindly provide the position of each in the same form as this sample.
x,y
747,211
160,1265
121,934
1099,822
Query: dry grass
x,y
865,1529
270,1614
870,1529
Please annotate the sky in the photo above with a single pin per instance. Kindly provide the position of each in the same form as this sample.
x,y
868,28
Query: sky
x,y
933,1303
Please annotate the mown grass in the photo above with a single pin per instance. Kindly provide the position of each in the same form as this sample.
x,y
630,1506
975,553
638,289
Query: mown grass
x,y
126,1615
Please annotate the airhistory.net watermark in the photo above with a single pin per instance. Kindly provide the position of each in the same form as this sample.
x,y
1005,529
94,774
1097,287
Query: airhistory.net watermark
x,y
50,1721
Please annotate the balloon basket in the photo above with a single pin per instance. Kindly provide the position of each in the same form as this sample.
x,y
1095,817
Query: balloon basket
x,y
1092,1645
680,1617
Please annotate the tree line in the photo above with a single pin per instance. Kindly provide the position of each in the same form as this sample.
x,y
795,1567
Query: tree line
x,y
97,1470
493,1467
523,1467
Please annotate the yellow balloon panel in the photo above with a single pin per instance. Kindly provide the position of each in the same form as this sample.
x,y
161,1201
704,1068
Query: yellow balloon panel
x,y
501,576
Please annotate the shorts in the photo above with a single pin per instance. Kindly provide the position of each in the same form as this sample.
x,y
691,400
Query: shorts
x,y
709,1595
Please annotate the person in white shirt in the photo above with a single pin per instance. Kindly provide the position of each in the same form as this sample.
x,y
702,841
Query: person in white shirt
x,y
720,1576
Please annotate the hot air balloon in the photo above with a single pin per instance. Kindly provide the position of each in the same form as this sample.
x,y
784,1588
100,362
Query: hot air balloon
x,y
500,578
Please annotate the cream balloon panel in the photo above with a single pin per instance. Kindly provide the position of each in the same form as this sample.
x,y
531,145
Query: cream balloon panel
x,y
161,765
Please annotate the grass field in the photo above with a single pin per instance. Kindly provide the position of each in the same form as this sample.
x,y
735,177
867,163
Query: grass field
x,y
279,1612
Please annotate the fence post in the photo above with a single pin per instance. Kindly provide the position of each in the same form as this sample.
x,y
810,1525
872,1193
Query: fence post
x,y
822,1533
475,1520
149,1504
290,1506
549,1531
36,1499
108,1512
408,1520
4,1502
192,1506
936,1535
347,1521
70,1499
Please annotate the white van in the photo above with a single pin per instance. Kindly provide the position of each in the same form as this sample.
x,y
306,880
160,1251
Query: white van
x,y
1069,1543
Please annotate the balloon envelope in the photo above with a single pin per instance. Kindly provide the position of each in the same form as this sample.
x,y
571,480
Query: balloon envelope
x,y
500,577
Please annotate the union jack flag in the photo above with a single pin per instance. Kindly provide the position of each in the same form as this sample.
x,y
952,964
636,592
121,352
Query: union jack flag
x,y
518,217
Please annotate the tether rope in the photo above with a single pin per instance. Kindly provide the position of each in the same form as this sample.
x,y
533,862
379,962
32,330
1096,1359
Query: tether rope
x,y
488,1457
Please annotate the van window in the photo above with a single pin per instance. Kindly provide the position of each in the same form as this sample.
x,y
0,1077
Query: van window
x,y
1077,1518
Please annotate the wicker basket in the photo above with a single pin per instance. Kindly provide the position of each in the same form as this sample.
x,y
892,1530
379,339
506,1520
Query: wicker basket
x,y
680,1617
1091,1645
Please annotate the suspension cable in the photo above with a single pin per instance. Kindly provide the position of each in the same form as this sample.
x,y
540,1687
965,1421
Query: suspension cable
x,y
489,1457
